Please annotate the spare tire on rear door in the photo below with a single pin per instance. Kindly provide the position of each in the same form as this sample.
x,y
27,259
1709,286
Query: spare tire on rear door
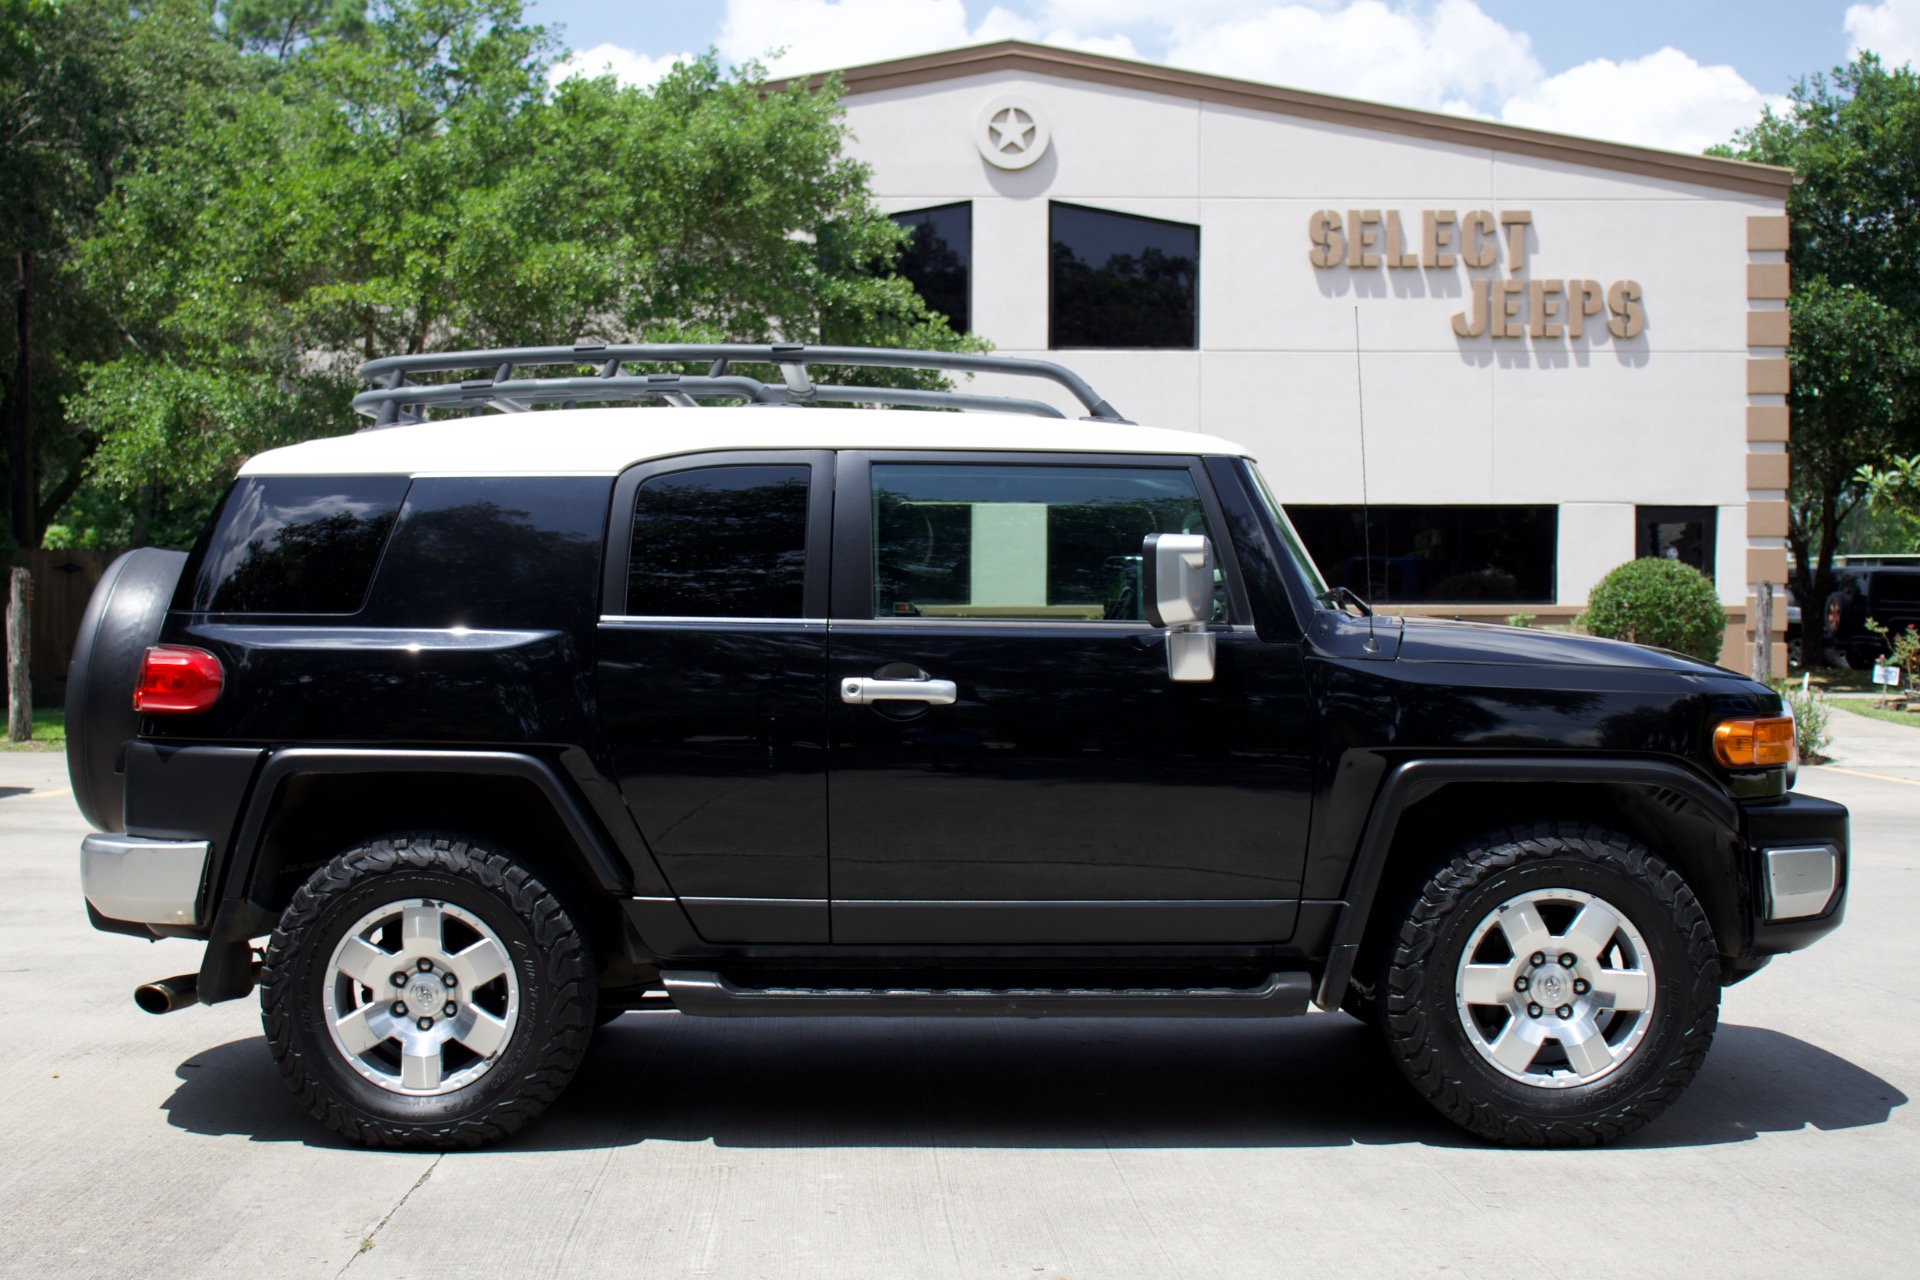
x,y
121,620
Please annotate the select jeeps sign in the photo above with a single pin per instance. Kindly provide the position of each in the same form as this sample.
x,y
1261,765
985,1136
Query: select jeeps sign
x,y
1367,239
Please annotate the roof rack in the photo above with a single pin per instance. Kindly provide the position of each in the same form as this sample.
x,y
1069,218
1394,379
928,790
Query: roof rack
x,y
394,399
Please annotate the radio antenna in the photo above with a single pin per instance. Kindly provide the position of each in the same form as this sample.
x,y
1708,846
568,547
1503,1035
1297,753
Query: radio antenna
x,y
1366,508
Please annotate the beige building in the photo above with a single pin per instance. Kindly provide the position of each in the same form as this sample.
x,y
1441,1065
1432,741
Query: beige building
x,y
1569,352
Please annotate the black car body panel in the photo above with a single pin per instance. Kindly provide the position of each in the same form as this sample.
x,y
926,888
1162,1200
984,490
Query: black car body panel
x,y
1070,807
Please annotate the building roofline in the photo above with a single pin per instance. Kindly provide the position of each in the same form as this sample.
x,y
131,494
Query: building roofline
x,y
1072,64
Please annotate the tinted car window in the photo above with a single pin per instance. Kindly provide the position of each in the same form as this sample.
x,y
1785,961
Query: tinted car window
x,y
992,541
720,542
495,552
294,545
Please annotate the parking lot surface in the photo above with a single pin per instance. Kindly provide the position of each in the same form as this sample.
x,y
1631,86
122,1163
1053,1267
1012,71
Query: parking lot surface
x,y
141,1146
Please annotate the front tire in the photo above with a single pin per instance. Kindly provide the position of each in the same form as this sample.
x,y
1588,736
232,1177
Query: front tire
x,y
1551,986
428,991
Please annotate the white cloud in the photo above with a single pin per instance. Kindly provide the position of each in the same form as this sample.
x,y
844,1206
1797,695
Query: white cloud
x,y
1441,55
1665,99
821,35
628,67
1890,29
1412,55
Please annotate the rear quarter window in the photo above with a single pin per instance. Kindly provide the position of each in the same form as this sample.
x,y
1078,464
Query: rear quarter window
x,y
293,545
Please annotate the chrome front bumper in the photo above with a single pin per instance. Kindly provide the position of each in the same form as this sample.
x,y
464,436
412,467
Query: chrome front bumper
x,y
144,881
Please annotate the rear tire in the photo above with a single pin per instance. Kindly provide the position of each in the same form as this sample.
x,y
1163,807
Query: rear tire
x,y
426,990
1586,1045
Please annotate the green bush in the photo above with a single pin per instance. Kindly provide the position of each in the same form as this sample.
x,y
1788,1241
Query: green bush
x,y
1811,714
1662,603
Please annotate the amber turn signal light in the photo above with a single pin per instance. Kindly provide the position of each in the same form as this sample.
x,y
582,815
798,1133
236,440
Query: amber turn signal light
x,y
1754,743
177,681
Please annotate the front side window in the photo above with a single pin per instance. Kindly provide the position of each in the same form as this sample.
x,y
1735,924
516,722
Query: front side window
x,y
294,544
1123,281
1011,541
938,260
720,542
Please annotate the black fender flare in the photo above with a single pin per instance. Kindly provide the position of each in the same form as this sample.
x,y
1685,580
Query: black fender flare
x,y
226,971
610,870
1415,780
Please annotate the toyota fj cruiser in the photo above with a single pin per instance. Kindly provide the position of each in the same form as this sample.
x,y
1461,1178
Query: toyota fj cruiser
x,y
462,734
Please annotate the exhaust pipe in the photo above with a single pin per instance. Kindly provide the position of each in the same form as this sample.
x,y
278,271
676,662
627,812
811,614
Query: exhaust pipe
x,y
168,994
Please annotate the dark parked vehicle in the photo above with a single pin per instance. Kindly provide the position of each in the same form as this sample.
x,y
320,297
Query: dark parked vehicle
x,y
463,734
1886,594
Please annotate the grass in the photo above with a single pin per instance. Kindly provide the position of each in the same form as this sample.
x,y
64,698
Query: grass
x,y
1837,679
1911,719
49,731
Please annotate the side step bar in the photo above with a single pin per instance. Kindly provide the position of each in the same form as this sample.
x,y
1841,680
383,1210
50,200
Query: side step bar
x,y
1283,995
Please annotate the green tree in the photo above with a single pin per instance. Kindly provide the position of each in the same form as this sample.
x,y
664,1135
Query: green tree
x,y
86,87
1854,140
410,183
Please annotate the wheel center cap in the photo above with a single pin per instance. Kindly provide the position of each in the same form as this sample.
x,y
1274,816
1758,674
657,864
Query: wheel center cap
x,y
424,995
1551,986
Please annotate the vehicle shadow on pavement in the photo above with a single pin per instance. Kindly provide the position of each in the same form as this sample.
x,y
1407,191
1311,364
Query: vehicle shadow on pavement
x,y
1319,1081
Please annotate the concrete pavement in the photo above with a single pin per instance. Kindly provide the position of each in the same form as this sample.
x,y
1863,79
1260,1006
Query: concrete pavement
x,y
140,1146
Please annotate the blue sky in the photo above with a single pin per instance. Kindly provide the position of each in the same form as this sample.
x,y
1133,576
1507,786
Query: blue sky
x,y
1679,73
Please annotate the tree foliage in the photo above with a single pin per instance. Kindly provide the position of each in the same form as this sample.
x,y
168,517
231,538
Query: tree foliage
x,y
87,88
400,177
1854,141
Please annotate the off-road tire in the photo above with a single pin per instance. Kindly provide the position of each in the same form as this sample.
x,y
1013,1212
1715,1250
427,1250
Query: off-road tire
x,y
1423,1027
550,963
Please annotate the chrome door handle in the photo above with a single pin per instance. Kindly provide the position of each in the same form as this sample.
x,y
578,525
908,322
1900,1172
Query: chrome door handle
x,y
860,691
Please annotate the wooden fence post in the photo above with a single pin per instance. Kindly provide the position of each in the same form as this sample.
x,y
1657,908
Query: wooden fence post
x,y
1762,669
19,653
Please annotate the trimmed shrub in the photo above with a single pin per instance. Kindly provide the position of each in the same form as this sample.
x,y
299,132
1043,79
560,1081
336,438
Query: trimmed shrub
x,y
1662,603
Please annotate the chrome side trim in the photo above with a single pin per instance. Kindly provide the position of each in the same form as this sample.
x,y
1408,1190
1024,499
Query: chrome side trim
x,y
144,881
371,639
1800,880
639,622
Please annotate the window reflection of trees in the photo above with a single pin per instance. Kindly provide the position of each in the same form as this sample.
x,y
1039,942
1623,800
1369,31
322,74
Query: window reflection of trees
x,y
713,546
321,566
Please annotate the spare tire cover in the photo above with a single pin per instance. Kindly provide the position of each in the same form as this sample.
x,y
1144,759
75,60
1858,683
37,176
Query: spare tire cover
x,y
121,620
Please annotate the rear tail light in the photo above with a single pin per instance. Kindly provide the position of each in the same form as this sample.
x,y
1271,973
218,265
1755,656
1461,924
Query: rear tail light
x,y
177,681
1754,743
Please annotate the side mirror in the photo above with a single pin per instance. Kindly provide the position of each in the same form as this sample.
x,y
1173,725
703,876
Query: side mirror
x,y
1176,586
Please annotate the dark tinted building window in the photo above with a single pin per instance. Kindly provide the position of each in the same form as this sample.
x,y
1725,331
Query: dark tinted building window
x,y
939,260
1439,555
294,545
720,542
1676,533
495,552
1123,281
995,541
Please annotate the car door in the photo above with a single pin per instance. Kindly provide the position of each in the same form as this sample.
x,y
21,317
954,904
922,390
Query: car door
x,y
1070,791
711,665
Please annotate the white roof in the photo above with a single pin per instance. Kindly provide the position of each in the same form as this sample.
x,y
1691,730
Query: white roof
x,y
606,441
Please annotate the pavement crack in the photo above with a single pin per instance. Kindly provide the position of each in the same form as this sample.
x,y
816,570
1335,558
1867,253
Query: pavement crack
x,y
366,1241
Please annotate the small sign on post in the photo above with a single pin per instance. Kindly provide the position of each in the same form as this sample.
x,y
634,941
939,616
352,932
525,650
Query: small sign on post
x,y
1887,674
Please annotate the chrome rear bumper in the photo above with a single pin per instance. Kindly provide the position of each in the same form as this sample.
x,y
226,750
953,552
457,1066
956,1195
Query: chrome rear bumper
x,y
142,880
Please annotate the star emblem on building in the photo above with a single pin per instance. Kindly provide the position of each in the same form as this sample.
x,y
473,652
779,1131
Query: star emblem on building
x,y
1012,130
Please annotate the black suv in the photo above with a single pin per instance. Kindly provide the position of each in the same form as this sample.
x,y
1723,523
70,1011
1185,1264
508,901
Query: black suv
x,y
1886,594
503,716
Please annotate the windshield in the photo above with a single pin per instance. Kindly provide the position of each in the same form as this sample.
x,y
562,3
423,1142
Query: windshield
x,y
1294,546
